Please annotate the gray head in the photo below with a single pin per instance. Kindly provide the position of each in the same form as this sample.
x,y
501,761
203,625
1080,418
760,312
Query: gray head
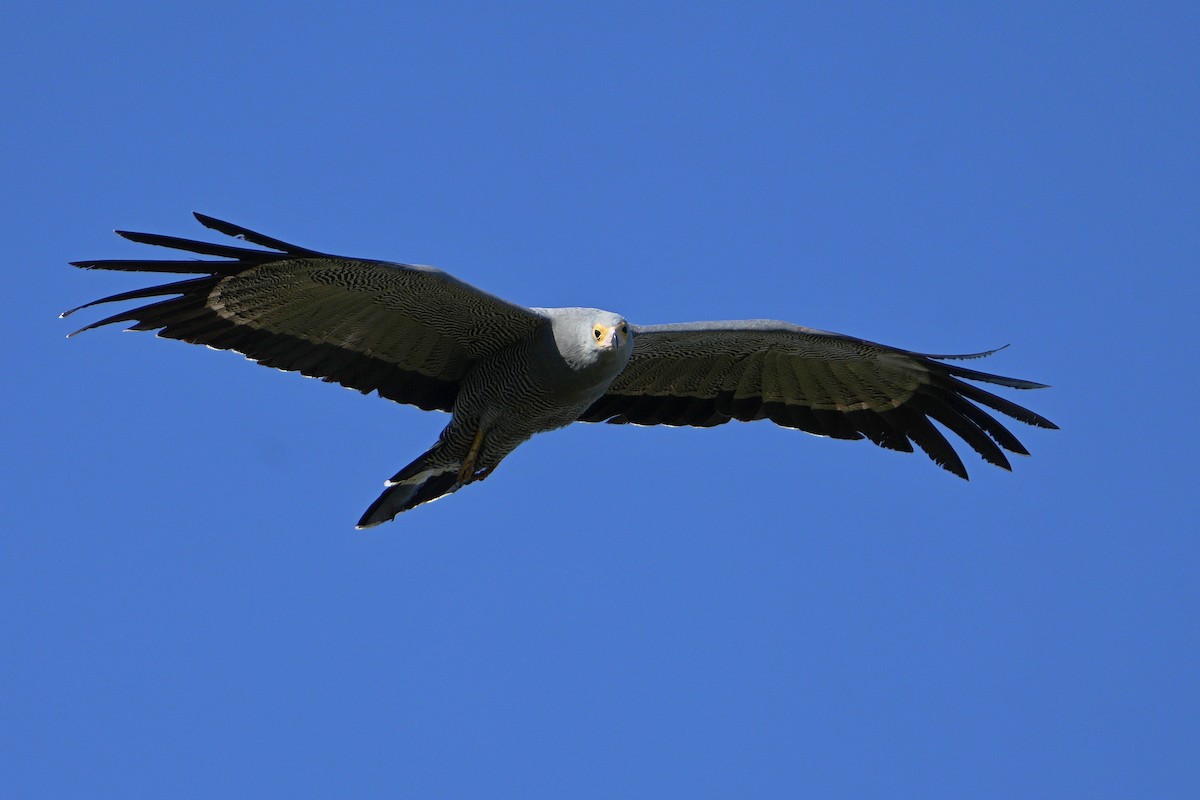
x,y
588,338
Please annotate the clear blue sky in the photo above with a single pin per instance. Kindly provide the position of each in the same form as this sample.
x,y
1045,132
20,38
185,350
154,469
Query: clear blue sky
x,y
739,612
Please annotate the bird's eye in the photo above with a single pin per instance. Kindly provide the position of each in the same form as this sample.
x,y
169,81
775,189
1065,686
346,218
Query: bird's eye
x,y
598,332
624,329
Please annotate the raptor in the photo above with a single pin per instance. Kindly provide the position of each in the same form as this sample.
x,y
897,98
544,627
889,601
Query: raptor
x,y
417,335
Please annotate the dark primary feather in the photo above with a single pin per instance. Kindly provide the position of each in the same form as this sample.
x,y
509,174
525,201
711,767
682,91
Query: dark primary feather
x,y
406,332
705,373
238,232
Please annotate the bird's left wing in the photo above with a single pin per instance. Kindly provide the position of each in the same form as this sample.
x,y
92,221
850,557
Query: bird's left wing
x,y
408,332
707,373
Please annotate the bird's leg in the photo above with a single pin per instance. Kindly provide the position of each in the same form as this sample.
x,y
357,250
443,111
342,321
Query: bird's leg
x,y
483,473
466,473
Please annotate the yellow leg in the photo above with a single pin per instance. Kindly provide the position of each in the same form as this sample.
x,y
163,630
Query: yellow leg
x,y
466,473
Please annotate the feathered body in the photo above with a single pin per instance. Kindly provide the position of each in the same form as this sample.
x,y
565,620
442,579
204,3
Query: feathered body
x,y
553,375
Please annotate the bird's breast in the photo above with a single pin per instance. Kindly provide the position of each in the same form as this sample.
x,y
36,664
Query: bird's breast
x,y
531,388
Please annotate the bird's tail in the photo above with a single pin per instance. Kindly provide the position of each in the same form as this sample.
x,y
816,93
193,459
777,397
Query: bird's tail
x,y
429,477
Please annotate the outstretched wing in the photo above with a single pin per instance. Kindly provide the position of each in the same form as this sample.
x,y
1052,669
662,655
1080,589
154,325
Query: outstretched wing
x,y
408,332
707,373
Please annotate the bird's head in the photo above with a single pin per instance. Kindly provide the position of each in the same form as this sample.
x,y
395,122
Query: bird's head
x,y
590,338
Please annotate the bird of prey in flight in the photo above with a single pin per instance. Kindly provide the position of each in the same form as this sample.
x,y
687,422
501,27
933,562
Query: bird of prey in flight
x,y
417,335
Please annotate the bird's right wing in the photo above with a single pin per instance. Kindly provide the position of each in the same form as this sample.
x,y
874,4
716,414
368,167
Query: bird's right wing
x,y
408,332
